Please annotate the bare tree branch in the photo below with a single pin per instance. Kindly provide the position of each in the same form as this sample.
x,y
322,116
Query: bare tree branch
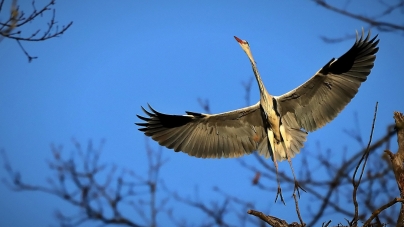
x,y
339,182
397,161
357,183
204,104
379,25
13,27
382,208
271,220
247,88
97,190
375,21
215,211
298,210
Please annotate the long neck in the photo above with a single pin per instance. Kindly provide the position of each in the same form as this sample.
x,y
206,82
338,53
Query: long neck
x,y
258,77
264,95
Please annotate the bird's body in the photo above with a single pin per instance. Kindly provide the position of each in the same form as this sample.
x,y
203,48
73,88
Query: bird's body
x,y
275,126
278,131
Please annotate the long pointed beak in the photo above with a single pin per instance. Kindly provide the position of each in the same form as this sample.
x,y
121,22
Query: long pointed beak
x,y
238,40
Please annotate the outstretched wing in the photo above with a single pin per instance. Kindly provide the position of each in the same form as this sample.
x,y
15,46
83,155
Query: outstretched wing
x,y
230,134
320,99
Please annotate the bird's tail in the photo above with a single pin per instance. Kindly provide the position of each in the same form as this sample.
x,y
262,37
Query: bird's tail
x,y
293,139
293,136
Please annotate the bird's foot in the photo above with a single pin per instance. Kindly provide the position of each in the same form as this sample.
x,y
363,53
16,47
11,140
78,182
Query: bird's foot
x,y
279,194
297,188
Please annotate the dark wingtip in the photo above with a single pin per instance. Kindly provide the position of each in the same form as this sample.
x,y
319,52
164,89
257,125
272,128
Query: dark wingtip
x,y
147,112
153,110
366,39
143,118
142,124
362,45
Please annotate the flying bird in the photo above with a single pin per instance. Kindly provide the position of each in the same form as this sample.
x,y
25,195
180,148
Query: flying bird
x,y
276,126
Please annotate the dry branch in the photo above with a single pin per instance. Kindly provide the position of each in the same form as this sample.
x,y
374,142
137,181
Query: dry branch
x,y
98,191
378,24
356,183
16,23
397,161
273,221
376,21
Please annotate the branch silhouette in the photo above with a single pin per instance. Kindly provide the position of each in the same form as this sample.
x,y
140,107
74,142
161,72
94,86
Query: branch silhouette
x,y
377,21
97,190
13,28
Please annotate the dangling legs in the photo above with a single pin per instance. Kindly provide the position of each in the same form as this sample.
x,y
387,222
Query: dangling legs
x,y
297,185
287,147
279,193
271,141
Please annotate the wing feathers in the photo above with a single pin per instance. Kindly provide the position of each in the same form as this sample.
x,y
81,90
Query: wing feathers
x,y
235,133
320,99
228,134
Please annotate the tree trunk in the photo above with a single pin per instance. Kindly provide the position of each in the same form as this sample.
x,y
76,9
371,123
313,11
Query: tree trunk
x,y
397,161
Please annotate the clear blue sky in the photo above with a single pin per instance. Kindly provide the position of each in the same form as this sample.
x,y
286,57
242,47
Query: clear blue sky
x,y
119,55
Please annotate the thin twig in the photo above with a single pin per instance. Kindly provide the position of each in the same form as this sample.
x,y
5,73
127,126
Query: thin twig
x,y
364,158
12,27
378,211
30,58
247,88
204,104
297,210
381,25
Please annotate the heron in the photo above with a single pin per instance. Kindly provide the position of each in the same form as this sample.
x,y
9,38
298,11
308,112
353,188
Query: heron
x,y
276,126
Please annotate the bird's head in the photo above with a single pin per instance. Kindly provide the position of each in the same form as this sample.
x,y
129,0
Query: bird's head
x,y
246,47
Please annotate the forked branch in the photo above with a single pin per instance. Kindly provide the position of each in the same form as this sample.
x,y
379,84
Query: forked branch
x,y
13,26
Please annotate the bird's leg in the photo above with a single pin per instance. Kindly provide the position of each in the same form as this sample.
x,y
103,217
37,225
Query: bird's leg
x,y
272,143
297,185
279,193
